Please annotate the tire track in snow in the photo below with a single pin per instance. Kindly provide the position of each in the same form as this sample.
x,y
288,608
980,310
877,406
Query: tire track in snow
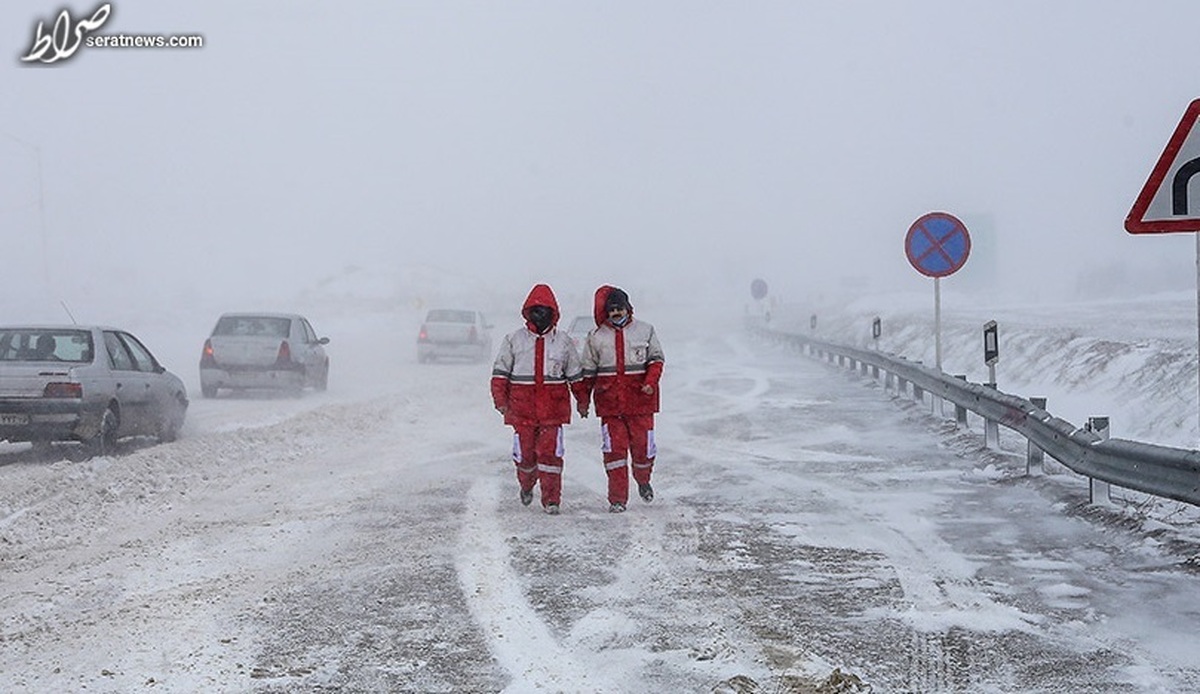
x,y
521,642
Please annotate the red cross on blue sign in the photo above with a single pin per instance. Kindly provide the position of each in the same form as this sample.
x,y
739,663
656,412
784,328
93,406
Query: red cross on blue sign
x,y
937,244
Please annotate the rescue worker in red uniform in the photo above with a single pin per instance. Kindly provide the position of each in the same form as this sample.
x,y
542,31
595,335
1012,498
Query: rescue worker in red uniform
x,y
534,374
622,364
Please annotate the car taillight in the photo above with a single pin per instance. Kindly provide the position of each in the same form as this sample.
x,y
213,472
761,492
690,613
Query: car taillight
x,y
206,355
63,390
285,354
423,336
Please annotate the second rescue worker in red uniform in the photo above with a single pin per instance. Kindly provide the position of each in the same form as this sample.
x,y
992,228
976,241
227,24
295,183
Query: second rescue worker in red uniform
x,y
622,364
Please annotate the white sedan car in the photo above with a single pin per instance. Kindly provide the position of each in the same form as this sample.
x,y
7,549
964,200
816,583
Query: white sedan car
x,y
579,328
263,351
92,384
454,333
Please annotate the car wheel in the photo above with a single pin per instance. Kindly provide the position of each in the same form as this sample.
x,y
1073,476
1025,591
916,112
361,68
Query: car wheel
x,y
168,428
105,440
323,380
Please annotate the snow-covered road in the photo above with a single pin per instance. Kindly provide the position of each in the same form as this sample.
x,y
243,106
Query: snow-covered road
x,y
370,539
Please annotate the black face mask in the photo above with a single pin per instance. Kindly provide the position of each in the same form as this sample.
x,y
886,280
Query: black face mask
x,y
541,317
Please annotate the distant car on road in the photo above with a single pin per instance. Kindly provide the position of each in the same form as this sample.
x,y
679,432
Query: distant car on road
x,y
457,333
263,351
579,329
91,384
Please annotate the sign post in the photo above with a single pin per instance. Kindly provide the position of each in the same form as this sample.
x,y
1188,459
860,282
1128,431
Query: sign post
x,y
991,355
991,349
1170,200
758,291
937,245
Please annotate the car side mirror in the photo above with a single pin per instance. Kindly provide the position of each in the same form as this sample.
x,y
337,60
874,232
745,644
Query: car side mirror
x,y
323,341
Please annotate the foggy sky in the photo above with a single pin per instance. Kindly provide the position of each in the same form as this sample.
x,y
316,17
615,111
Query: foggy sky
x,y
674,148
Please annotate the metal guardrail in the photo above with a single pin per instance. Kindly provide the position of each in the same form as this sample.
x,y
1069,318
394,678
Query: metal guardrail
x,y
1172,473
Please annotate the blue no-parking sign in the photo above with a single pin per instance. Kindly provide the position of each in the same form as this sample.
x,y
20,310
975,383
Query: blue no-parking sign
x,y
937,244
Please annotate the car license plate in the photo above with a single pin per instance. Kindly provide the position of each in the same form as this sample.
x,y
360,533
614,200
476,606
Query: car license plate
x,y
14,419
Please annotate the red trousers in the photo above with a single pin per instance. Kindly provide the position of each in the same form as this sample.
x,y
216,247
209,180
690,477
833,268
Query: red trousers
x,y
538,455
628,436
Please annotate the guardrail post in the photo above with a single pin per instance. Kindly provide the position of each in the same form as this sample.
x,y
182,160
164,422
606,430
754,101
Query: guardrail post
x,y
991,429
1035,458
960,412
888,380
1099,491
901,386
875,371
918,393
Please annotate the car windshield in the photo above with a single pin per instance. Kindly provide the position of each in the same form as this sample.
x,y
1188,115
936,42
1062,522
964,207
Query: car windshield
x,y
449,316
268,326
33,344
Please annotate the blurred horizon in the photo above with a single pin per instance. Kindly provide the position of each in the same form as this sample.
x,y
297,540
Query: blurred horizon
x,y
674,149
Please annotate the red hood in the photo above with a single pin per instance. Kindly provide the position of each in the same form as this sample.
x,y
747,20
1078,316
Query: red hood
x,y
598,311
540,295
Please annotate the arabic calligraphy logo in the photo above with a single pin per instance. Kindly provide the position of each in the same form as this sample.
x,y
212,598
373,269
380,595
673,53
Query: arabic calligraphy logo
x,y
62,41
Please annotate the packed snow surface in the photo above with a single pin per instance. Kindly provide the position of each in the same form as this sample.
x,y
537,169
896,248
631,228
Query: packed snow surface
x,y
811,532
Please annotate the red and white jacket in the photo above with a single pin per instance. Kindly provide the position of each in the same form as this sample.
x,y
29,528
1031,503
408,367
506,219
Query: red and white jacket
x,y
533,375
617,362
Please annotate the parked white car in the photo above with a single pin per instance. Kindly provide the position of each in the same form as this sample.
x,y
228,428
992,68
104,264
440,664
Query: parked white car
x,y
456,333
91,384
263,351
579,328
